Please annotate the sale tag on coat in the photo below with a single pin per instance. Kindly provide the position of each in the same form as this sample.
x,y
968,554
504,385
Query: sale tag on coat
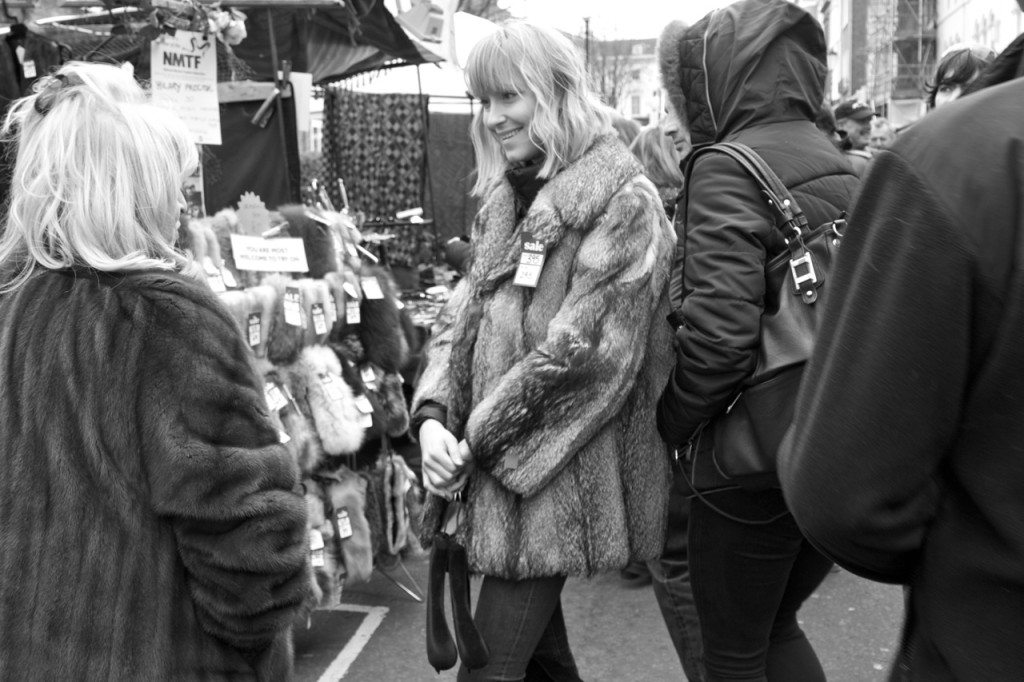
x,y
531,261
319,318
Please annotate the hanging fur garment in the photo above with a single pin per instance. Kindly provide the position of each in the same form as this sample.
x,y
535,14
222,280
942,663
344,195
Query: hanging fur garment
x,y
286,332
316,239
381,327
331,401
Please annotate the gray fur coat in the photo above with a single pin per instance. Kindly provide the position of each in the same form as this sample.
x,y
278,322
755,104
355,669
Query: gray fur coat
x,y
560,382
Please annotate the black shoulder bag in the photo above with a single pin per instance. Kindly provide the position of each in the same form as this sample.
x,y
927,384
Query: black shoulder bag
x,y
746,437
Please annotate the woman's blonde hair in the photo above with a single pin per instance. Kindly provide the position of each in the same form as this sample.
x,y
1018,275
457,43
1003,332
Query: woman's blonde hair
x,y
97,178
522,57
657,152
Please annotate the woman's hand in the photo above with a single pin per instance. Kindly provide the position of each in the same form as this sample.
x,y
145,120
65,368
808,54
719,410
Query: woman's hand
x,y
445,460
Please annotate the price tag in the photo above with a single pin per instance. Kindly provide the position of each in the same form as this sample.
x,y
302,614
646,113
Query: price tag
x,y
255,329
364,405
283,437
28,67
216,283
531,261
316,548
365,421
293,306
229,279
344,524
369,376
332,308
275,398
371,288
331,387
352,314
350,290
319,318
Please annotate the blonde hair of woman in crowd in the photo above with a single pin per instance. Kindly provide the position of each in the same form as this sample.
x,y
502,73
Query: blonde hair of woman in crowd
x,y
538,60
657,152
86,127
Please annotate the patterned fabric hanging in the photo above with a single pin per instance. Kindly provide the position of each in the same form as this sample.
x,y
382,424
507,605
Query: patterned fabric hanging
x,y
376,144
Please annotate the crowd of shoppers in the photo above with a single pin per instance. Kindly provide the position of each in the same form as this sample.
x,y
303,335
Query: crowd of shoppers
x,y
609,314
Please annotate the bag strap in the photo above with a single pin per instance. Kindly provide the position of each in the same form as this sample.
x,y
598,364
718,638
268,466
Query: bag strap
x,y
789,218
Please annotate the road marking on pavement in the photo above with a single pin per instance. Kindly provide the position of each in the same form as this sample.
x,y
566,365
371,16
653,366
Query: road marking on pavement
x,y
340,665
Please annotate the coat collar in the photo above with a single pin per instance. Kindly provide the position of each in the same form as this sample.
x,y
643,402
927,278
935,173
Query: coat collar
x,y
571,200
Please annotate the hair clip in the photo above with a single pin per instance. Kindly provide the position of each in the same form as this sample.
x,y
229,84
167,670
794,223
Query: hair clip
x,y
46,89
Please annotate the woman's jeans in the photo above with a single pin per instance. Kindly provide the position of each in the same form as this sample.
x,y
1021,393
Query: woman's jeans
x,y
749,581
671,574
521,623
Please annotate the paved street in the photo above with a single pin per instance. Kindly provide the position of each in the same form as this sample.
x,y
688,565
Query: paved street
x,y
376,634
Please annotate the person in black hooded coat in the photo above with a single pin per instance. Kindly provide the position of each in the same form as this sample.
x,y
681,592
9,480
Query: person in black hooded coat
x,y
752,73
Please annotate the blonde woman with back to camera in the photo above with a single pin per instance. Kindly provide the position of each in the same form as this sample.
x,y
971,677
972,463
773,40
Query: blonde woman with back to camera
x,y
150,529
538,400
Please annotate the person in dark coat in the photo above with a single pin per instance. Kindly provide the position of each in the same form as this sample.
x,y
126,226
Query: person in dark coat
x,y
907,458
752,73
149,523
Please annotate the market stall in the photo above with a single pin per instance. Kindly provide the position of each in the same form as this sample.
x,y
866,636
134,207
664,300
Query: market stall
x,y
309,288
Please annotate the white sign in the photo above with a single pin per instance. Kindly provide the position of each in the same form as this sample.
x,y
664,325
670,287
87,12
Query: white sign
x,y
184,80
285,254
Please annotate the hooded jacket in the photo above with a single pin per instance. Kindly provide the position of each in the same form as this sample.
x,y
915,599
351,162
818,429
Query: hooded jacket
x,y
149,529
751,73
915,389
558,384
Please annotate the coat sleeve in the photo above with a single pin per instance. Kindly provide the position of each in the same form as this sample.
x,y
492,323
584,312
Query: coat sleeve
x,y
560,395
218,474
880,401
727,223
433,387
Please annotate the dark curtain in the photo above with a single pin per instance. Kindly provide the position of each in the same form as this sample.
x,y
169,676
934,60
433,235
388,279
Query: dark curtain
x,y
376,144
451,176
252,159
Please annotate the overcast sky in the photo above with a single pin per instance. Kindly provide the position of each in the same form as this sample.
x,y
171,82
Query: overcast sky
x,y
610,19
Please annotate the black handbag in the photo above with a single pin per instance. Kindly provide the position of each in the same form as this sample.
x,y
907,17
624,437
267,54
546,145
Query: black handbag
x,y
448,557
745,439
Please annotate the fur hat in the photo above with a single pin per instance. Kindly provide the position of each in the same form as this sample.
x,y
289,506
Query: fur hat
x,y
264,300
316,239
224,223
239,305
381,326
669,64
335,282
331,402
304,442
348,492
285,339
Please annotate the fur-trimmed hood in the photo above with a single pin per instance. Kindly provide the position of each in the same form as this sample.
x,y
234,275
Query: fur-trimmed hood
x,y
753,62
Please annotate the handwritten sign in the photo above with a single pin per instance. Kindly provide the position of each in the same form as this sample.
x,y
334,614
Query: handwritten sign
x,y
184,80
285,254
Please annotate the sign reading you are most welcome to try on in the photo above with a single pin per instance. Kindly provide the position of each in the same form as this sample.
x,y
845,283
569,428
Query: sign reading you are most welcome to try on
x,y
184,80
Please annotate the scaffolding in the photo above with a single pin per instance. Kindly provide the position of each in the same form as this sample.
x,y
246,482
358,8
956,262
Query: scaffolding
x,y
901,50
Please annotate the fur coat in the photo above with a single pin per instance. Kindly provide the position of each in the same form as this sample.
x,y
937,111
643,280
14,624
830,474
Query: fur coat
x,y
560,382
149,528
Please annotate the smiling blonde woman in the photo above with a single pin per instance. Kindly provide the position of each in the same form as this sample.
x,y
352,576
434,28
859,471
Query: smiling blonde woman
x,y
538,399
